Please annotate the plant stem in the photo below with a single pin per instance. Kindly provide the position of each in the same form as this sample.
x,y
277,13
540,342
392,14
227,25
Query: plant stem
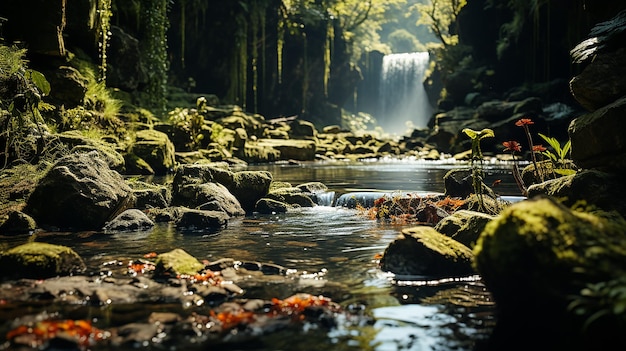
x,y
538,174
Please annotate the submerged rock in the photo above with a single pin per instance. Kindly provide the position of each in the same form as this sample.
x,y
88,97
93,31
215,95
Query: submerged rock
x,y
39,260
129,220
177,261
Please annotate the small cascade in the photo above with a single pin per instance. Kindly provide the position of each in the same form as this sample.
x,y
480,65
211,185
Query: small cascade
x,y
325,198
403,100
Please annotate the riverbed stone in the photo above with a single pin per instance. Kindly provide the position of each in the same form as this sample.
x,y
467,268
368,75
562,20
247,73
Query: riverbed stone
x,y
200,220
464,226
424,251
39,260
18,223
291,196
85,193
129,220
269,206
177,261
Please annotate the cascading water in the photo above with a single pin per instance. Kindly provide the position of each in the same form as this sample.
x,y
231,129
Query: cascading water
x,y
404,104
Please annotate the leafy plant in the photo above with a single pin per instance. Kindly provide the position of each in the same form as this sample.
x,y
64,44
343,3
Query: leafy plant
x,y
477,161
21,95
559,156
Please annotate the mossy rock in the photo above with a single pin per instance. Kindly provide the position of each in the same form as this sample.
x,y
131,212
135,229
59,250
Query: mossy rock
x,y
39,261
538,250
424,251
175,262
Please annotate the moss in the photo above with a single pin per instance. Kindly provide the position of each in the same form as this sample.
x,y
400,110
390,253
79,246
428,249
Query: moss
x,y
176,262
39,260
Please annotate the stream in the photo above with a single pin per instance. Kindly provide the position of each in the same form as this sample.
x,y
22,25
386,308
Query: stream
x,y
327,250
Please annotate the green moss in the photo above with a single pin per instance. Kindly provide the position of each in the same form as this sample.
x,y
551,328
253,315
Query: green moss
x,y
40,260
177,261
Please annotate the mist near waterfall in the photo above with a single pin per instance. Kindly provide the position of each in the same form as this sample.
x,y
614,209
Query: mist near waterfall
x,y
403,102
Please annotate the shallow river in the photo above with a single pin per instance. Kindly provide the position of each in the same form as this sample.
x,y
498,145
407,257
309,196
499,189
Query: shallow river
x,y
331,251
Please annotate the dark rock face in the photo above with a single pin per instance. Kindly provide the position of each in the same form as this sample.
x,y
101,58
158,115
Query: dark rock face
x,y
79,192
593,93
596,142
125,69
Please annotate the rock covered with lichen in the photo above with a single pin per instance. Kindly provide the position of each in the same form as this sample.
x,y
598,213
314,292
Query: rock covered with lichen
x,y
539,258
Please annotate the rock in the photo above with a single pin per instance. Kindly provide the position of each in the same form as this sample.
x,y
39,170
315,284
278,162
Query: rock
x,y
18,223
156,149
595,140
67,86
84,190
424,251
151,196
209,197
601,83
80,143
303,130
175,262
592,187
250,186
270,206
538,256
40,260
291,196
464,226
300,150
124,63
247,186
191,220
129,220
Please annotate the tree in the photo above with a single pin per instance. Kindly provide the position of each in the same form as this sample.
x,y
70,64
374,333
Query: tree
x,y
438,15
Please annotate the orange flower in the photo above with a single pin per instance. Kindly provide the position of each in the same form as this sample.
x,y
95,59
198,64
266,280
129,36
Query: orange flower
x,y
512,146
539,148
523,122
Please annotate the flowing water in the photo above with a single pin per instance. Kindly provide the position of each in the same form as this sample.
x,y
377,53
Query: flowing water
x,y
328,250
404,104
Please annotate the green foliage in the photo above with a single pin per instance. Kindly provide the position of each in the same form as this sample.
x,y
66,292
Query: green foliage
x,y
154,50
402,41
21,91
439,15
477,161
100,19
559,156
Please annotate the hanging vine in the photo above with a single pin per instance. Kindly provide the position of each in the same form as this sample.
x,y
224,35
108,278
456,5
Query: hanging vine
x,y
255,19
155,24
183,8
100,20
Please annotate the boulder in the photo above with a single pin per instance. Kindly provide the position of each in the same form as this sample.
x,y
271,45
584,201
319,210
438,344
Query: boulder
x,y
39,261
591,187
199,220
601,83
424,251
270,206
596,142
129,220
210,197
539,257
18,223
291,196
464,226
156,149
84,190
175,262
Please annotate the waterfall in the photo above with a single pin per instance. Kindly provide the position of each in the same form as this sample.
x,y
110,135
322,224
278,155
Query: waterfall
x,y
403,101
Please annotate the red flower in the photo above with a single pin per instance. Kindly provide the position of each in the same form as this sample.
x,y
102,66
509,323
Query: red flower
x,y
512,146
524,122
539,148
